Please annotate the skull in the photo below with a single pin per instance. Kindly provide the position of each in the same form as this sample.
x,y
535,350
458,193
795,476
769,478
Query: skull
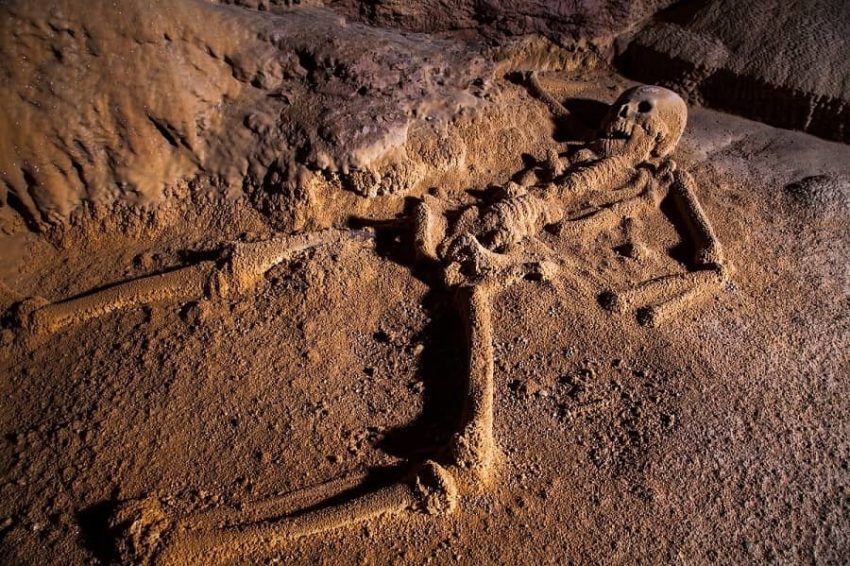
x,y
644,122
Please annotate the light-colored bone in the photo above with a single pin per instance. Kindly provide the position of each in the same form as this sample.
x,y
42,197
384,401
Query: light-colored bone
x,y
152,540
662,312
645,122
587,224
603,175
188,283
512,220
220,535
556,108
247,264
675,291
709,252
474,272
473,447
429,227
271,507
219,545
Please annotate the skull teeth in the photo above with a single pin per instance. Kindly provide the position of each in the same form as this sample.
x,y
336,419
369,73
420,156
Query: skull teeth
x,y
617,134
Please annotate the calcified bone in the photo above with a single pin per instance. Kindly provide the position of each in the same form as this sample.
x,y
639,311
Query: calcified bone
x,y
645,122
479,252
657,290
219,536
644,125
183,284
556,108
150,538
473,448
660,299
637,135
244,265
709,253
512,220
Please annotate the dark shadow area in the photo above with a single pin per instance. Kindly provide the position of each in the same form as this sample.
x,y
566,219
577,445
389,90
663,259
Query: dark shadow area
x,y
588,112
681,12
684,251
13,202
442,365
191,257
95,532
442,369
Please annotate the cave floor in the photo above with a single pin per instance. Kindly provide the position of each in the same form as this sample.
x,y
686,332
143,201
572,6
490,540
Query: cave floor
x,y
721,436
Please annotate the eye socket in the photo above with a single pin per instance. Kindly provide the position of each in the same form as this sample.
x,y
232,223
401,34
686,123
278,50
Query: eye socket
x,y
644,106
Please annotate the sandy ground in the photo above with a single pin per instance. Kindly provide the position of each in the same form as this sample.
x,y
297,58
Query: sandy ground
x,y
722,436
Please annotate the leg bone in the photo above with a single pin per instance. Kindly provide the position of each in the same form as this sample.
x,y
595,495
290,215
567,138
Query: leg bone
x,y
660,313
149,539
184,284
678,290
248,263
473,448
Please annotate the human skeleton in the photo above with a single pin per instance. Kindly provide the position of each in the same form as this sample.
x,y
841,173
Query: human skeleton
x,y
479,250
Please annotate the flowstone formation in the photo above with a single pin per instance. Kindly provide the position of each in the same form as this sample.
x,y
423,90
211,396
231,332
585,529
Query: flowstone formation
x,y
245,100
473,250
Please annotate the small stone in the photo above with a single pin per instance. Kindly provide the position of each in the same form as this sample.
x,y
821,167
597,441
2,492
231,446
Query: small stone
x,y
145,261
7,336
668,420
529,388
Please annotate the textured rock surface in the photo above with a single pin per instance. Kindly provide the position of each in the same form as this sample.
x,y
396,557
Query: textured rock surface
x,y
283,100
150,94
778,61
560,20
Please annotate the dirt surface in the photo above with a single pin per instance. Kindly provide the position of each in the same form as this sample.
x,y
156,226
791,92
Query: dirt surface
x,y
721,435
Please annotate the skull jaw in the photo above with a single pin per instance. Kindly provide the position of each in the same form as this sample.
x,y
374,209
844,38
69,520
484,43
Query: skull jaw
x,y
638,146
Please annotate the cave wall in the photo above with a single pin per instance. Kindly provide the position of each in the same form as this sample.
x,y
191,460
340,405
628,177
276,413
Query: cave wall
x,y
562,21
783,62
106,101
